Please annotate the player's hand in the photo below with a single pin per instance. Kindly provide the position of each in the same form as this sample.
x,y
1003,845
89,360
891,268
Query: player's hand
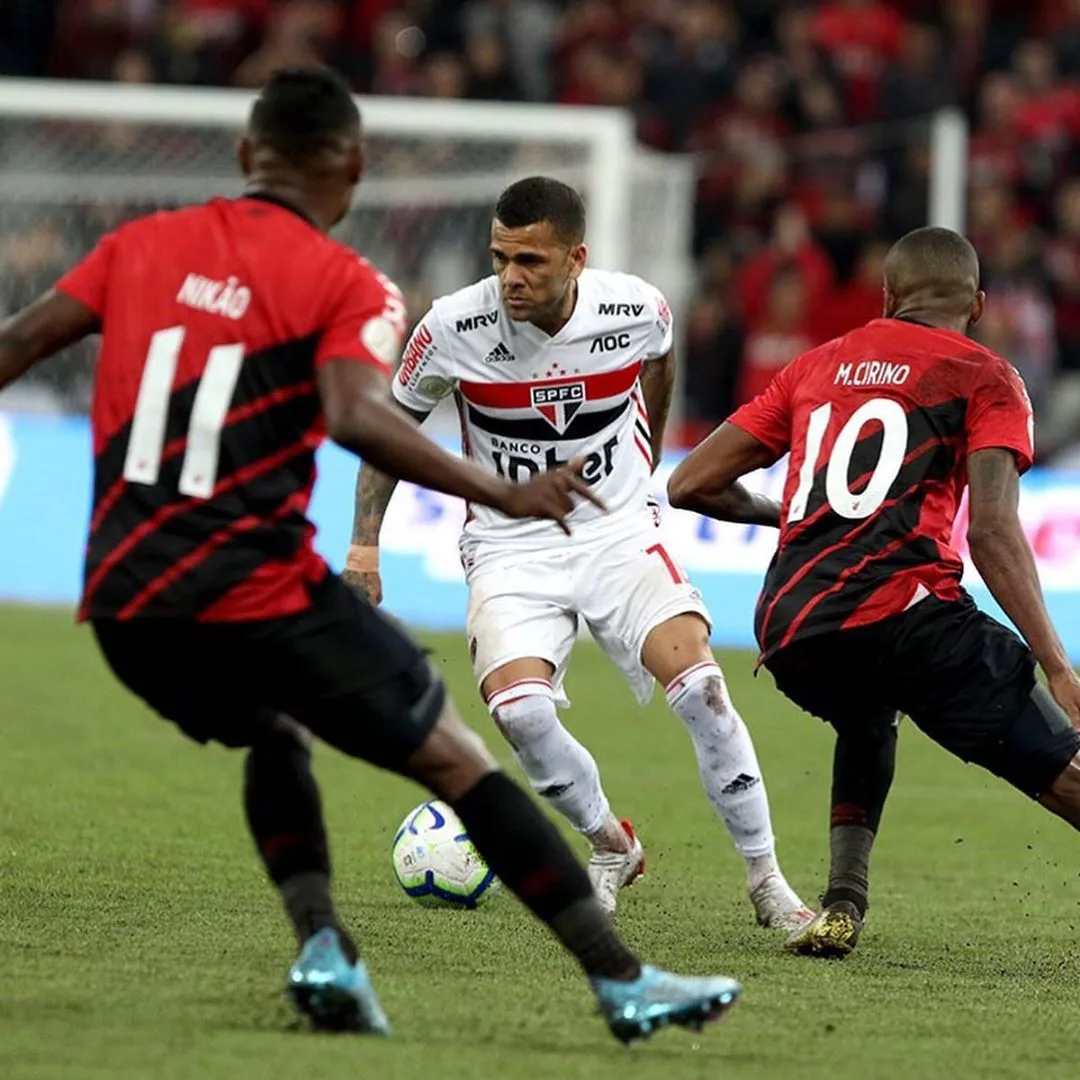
x,y
1065,689
551,495
368,584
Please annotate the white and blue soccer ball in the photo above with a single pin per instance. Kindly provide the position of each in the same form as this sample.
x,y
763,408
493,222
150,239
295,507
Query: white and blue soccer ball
x,y
437,864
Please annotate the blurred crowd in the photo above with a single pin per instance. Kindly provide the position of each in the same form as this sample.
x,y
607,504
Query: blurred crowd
x,y
808,122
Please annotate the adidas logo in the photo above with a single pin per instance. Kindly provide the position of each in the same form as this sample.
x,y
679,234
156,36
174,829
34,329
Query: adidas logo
x,y
742,782
499,355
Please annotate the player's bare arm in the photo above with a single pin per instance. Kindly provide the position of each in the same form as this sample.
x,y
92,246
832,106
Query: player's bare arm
x,y
657,386
706,481
1003,557
48,325
361,418
374,490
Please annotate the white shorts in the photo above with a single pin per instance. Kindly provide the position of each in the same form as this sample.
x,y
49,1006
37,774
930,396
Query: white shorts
x,y
531,604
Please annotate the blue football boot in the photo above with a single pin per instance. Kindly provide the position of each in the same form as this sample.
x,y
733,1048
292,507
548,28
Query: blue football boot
x,y
336,995
656,999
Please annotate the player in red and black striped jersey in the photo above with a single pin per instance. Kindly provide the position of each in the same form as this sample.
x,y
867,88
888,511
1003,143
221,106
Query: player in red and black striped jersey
x,y
862,616
235,337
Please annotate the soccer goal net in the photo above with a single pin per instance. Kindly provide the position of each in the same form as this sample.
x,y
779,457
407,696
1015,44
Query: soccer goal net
x,y
77,159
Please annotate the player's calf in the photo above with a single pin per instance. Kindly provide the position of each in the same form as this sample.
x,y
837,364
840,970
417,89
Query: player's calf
x,y
284,814
677,653
559,769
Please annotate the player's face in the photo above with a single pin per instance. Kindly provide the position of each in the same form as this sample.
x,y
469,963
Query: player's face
x,y
535,269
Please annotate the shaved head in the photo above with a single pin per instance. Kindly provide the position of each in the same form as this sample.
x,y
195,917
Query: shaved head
x,y
933,272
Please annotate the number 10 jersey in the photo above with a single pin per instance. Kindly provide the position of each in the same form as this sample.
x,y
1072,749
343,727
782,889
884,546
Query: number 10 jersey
x,y
879,424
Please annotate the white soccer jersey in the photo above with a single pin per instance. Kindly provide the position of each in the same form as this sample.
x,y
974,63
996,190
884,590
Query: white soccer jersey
x,y
529,402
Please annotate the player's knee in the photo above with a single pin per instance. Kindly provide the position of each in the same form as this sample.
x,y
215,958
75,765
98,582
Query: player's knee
x,y
453,758
1066,788
281,741
700,696
524,718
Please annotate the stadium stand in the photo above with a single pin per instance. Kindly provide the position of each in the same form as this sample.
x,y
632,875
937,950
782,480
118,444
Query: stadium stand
x,y
797,115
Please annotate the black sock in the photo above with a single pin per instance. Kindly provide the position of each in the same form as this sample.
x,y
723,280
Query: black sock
x,y
529,856
863,768
284,814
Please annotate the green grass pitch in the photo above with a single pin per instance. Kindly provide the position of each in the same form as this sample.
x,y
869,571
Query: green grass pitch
x,y
139,940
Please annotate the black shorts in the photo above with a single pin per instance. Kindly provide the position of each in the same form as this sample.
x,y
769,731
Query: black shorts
x,y
967,681
341,668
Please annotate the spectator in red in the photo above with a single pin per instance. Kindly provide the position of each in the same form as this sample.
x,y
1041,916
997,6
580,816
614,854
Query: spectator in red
x,y
791,244
781,335
1048,119
857,301
994,155
861,37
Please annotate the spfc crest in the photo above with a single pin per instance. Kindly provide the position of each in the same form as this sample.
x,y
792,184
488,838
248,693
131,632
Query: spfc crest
x,y
559,404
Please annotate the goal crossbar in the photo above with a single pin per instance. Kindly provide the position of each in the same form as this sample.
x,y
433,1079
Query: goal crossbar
x,y
608,134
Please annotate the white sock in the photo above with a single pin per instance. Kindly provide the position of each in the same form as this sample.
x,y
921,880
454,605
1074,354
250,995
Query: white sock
x,y
558,767
727,762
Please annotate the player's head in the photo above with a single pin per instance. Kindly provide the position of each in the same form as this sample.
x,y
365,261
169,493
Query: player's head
x,y
304,135
537,246
934,273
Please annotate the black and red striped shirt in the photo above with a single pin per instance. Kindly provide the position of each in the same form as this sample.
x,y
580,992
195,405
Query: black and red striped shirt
x,y
879,424
205,415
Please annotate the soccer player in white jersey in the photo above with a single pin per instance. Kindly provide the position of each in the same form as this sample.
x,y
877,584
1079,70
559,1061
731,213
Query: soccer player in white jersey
x,y
551,362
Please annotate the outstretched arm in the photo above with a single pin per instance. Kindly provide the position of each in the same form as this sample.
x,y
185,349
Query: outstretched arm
x,y
374,490
48,325
707,479
657,384
1003,557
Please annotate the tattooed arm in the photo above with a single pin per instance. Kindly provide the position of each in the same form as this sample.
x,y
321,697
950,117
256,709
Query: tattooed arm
x,y
657,384
374,490
1001,554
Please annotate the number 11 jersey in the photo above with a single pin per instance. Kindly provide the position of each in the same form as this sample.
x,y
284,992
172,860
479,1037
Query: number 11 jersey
x,y
206,416
879,424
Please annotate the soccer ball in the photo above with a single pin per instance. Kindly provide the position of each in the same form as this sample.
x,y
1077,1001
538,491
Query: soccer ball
x,y
436,863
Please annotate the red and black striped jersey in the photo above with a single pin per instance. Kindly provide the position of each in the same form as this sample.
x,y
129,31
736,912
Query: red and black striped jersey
x,y
879,424
205,415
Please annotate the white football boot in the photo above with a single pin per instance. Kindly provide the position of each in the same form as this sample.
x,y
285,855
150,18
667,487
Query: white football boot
x,y
777,905
610,871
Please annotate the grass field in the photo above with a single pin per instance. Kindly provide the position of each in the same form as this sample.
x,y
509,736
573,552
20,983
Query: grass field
x,y
139,940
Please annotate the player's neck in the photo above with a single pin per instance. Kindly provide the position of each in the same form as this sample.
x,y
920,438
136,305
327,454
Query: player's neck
x,y
553,323
936,320
291,196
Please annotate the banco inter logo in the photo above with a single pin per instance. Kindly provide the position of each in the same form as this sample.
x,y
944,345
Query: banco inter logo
x,y
558,405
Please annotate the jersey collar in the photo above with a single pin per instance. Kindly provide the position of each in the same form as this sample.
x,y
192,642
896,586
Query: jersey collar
x,y
262,196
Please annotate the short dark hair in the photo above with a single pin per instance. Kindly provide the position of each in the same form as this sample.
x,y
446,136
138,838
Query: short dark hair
x,y
303,111
540,198
932,260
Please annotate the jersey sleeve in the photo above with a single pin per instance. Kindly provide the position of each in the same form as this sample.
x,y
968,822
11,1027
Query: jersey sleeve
x,y
999,414
662,336
426,374
768,417
366,321
88,280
